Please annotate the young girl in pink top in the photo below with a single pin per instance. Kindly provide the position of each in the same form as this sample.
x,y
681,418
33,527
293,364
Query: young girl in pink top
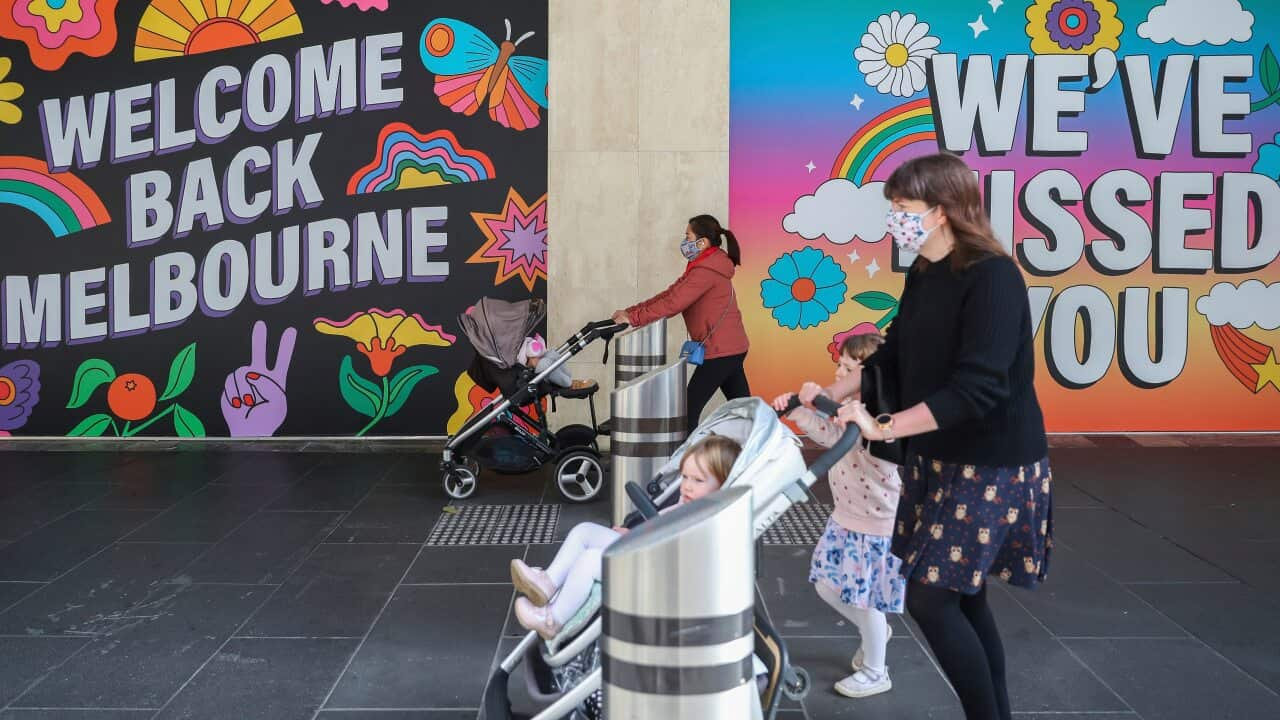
x,y
853,569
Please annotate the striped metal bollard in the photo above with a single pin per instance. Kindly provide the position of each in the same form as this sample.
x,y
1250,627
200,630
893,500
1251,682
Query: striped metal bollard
x,y
648,417
639,350
679,594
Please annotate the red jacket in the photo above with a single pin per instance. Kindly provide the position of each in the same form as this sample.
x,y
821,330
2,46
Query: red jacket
x,y
701,295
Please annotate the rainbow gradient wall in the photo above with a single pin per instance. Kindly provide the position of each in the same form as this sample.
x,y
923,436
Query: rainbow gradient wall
x,y
1148,230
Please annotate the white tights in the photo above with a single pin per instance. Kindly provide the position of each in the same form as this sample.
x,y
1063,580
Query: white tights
x,y
872,626
577,566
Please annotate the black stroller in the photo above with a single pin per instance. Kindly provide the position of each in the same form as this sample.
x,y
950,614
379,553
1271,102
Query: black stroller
x,y
512,434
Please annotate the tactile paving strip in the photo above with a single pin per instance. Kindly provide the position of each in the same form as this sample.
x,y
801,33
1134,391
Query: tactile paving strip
x,y
496,525
802,524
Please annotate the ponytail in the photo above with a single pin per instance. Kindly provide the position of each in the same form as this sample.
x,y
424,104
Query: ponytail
x,y
731,246
708,227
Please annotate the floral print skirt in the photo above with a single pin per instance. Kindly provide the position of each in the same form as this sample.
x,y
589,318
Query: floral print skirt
x,y
958,523
860,567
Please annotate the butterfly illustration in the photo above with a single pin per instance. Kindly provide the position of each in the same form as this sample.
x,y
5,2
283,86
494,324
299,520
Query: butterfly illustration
x,y
471,69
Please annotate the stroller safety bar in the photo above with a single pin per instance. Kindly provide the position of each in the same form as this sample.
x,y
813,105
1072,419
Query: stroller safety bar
x,y
574,648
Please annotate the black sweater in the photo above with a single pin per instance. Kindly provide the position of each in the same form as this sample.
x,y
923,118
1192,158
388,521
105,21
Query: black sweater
x,y
962,345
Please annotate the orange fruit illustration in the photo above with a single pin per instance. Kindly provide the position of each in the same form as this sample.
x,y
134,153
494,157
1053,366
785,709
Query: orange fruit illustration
x,y
131,396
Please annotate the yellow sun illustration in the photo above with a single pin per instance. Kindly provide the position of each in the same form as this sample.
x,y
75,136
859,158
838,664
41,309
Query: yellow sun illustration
x,y
172,28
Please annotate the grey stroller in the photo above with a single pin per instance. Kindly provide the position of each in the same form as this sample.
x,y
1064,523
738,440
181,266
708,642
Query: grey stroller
x,y
563,676
512,435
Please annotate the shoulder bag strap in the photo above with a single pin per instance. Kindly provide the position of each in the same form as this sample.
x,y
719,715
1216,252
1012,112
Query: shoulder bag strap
x,y
733,298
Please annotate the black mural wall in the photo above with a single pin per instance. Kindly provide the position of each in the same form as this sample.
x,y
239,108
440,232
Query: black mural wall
x,y
262,217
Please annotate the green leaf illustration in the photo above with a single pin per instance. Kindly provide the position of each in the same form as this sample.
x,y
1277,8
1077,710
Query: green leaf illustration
x,y
1269,70
876,300
403,383
186,424
91,374
181,371
1269,76
363,396
92,426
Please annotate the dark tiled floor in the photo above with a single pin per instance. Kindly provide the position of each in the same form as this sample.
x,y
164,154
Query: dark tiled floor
x,y
279,585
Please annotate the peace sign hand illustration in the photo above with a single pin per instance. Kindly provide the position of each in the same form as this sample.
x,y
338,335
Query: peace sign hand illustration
x,y
253,397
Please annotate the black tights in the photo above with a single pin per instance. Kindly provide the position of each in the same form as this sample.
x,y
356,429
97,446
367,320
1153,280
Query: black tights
x,y
722,373
962,634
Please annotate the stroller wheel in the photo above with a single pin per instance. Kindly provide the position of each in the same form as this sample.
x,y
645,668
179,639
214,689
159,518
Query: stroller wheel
x,y
796,683
579,476
459,482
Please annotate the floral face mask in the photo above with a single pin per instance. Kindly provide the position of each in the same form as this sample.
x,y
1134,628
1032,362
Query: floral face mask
x,y
908,230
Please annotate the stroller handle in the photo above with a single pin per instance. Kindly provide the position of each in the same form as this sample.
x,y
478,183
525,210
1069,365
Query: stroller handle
x,y
822,404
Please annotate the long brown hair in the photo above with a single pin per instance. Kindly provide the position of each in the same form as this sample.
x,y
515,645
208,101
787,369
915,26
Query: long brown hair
x,y
945,181
706,226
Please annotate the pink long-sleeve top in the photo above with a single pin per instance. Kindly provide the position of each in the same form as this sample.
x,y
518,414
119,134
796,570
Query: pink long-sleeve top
x,y
865,489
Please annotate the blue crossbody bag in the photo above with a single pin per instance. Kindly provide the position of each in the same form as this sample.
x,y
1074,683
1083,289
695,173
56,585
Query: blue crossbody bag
x,y
694,352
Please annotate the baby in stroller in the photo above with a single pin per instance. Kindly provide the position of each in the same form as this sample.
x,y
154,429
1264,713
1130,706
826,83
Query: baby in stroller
x,y
534,353
554,595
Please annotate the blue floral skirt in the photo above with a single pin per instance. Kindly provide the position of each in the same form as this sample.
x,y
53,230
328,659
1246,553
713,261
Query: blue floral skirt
x,y
860,567
959,523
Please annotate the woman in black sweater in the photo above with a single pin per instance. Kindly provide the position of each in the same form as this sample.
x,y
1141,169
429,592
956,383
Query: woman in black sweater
x,y
977,491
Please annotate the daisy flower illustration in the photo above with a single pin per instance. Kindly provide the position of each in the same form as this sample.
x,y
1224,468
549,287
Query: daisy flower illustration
x,y
893,53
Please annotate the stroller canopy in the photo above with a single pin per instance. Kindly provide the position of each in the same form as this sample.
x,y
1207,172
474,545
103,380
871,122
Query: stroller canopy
x,y
497,328
770,458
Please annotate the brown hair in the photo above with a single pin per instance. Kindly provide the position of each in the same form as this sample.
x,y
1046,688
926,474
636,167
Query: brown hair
x,y
706,226
860,347
944,180
717,452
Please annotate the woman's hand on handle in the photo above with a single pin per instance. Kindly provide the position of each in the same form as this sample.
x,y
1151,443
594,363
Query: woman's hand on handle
x,y
856,413
915,420
620,316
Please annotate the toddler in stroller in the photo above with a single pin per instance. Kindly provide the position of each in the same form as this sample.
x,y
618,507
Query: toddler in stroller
x,y
553,596
564,675
512,435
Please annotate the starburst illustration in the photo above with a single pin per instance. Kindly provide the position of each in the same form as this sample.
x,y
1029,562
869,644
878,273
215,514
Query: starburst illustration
x,y
516,240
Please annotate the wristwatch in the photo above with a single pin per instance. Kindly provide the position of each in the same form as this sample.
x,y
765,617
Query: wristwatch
x,y
885,421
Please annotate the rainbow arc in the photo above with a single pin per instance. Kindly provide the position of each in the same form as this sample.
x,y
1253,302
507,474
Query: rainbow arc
x,y
61,200
883,136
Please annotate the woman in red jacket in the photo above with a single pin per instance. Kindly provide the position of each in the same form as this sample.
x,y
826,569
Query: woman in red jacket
x,y
704,296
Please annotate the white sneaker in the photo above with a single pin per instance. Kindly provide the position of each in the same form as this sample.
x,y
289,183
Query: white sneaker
x,y
865,683
859,658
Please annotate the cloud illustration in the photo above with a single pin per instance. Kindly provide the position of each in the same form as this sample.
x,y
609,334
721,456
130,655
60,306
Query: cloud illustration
x,y
1191,22
841,211
1253,303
